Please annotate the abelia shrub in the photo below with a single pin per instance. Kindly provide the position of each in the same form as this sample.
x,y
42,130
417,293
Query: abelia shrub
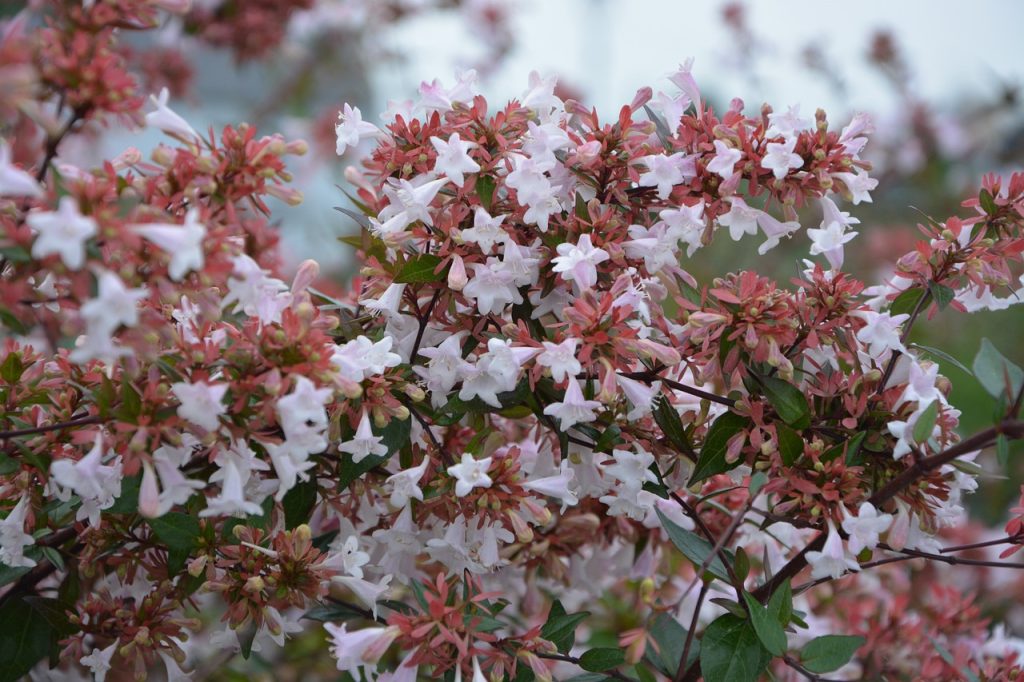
x,y
526,443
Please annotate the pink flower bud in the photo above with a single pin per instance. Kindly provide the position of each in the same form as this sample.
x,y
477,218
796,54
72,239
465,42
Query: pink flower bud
x,y
149,493
308,271
457,278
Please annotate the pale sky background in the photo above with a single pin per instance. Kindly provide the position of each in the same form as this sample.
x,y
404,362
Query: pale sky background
x,y
960,53
609,48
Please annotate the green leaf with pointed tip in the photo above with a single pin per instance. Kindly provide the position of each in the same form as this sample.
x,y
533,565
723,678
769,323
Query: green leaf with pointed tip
x,y
944,356
767,628
942,294
829,652
298,503
694,548
712,453
420,270
601,659
905,303
560,628
780,605
672,425
993,370
789,401
12,368
791,444
926,423
485,190
25,637
731,652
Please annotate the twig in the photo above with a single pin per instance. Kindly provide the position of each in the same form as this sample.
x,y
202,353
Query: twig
x,y
76,421
444,454
680,669
887,374
651,376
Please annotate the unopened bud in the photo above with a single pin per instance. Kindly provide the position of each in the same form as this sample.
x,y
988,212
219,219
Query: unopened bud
x,y
457,279
255,584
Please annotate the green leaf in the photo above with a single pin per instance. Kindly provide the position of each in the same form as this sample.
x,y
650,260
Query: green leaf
x,y
712,452
128,501
131,403
12,367
791,444
829,652
8,574
25,637
925,423
767,628
560,628
988,203
1002,450
180,532
360,219
246,636
942,294
298,503
694,548
176,530
780,605
905,303
943,355
670,636
485,190
333,613
789,401
731,652
757,481
672,426
421,269
660,127
948,658
601,659
992,370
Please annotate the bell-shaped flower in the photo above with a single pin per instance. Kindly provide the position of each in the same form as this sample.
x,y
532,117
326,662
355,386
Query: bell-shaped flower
x,y
640,395
573,409
556,486
231,501
405,485
63,232
167,120
367,593
470,473
359,650
303,416
864,528
665,171
725,160
97,484
780,158
364,444
200,403
560,358
578,262
453,159
14,539
184,243
351,129
832,561
14,182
